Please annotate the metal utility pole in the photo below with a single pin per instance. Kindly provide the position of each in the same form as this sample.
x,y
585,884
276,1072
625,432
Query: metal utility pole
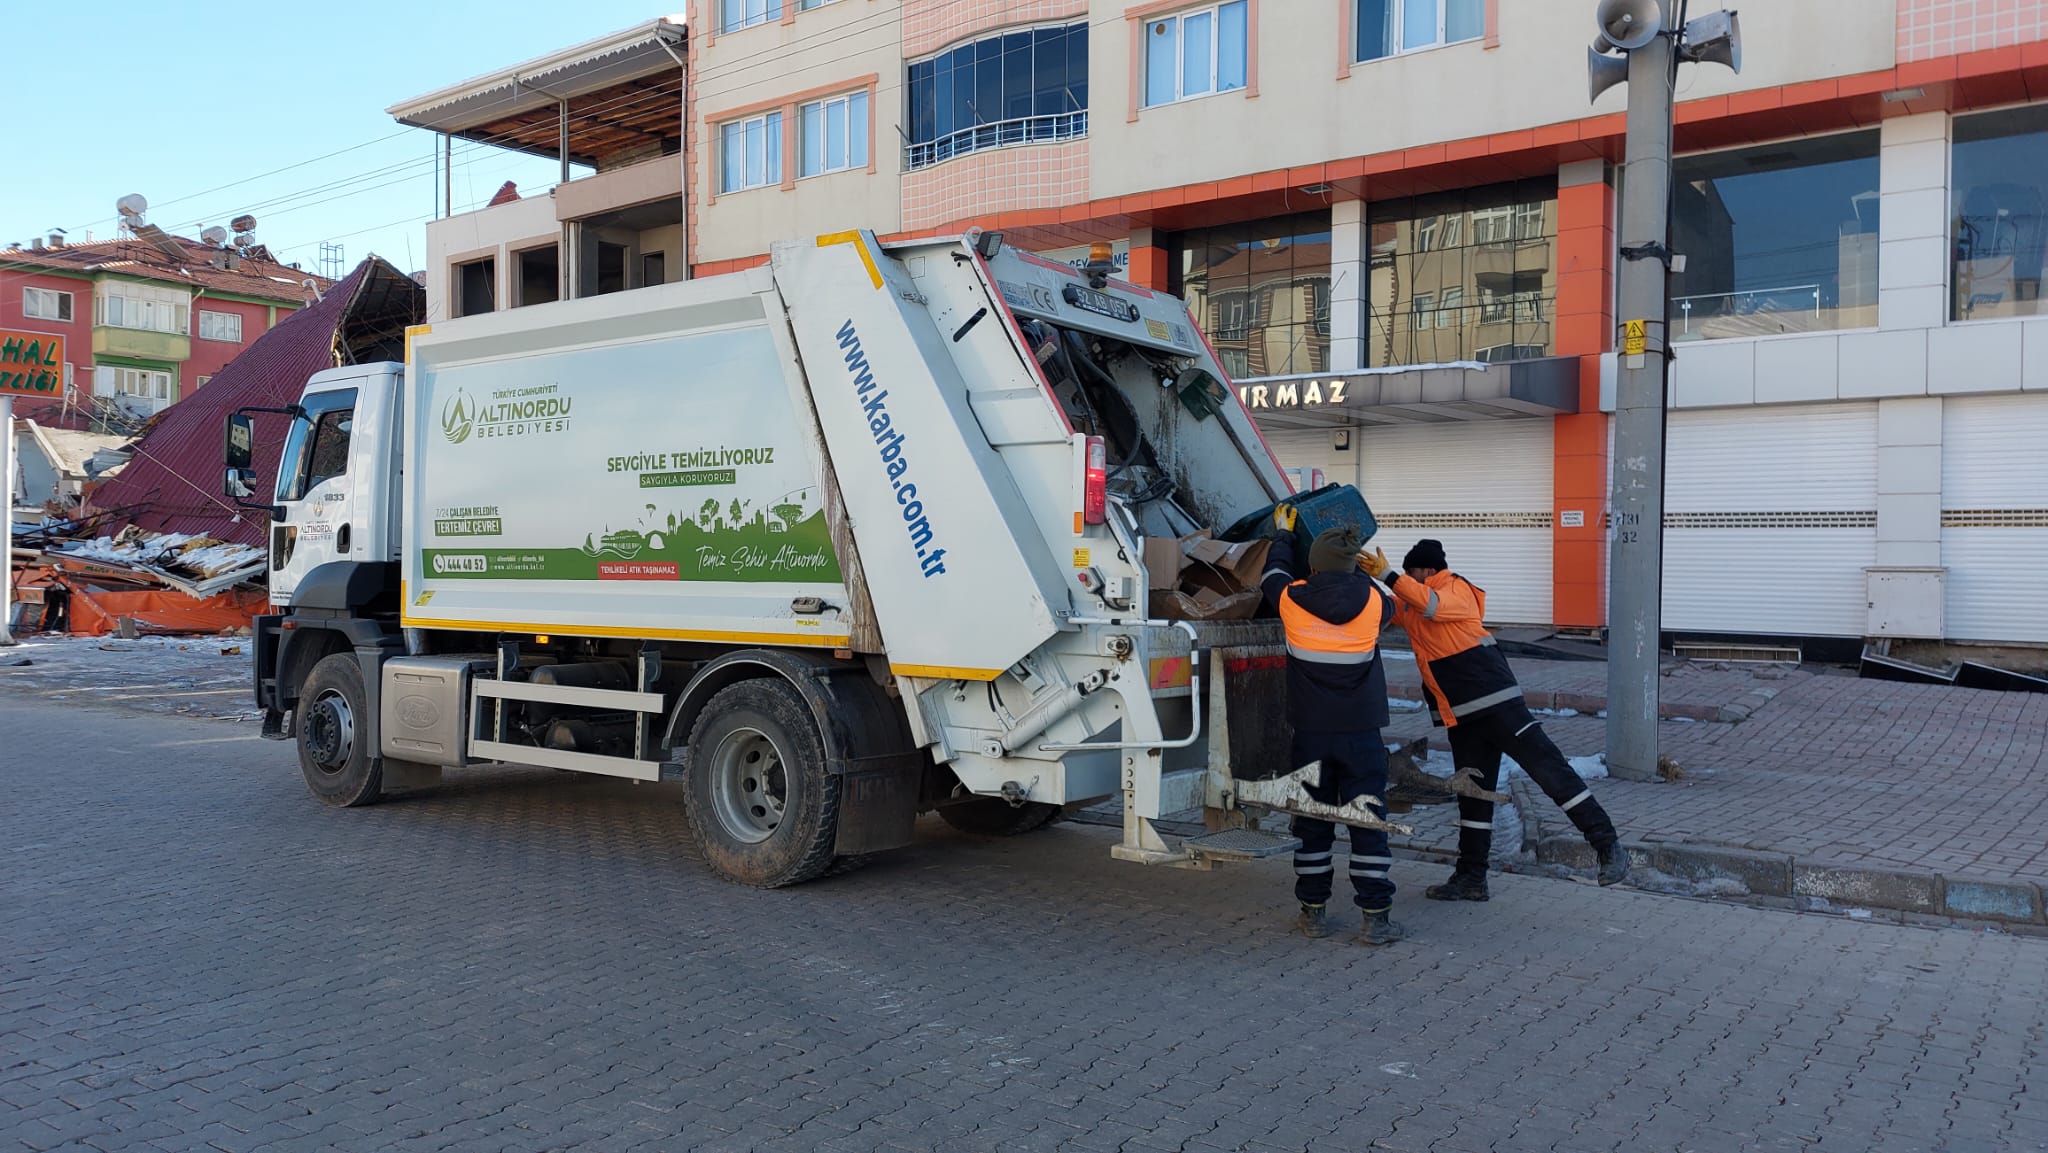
x,y
7,467
1654,43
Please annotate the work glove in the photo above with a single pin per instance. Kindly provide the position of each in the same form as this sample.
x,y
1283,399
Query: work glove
x,y
1375,564
1284,517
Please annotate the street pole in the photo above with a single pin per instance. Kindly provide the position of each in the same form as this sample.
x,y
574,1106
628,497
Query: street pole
x,y
6,518
1635,535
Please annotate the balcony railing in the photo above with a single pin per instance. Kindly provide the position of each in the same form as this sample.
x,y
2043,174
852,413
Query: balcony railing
x,y
1698,313
999,134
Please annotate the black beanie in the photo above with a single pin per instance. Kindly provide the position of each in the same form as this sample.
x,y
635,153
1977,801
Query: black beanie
x,y
1426,554
1335,550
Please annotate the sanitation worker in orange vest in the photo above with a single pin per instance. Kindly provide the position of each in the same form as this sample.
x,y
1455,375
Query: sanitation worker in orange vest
x,y
1473,692
1337,705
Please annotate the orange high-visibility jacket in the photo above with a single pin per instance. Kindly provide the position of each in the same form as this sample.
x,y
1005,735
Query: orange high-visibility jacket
x,y
1463,671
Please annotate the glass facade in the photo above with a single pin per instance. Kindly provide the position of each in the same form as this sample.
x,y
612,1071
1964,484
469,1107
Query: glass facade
x,y
1261,291
1776,238
1999,188
1023,87
1462,276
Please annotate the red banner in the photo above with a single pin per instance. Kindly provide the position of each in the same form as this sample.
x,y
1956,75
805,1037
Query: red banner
x,y
638,570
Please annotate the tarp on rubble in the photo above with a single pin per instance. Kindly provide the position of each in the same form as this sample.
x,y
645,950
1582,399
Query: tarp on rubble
x,y
97,614
174,479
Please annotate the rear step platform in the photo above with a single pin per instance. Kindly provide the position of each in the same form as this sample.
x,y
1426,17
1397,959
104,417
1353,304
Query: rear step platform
x,y
1240,845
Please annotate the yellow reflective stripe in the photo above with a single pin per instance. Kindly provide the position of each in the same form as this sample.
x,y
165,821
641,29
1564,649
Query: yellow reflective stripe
x,y
945,672
853,237
412,330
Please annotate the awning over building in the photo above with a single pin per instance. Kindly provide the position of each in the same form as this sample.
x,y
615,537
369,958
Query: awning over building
x,y
620,94
1425,394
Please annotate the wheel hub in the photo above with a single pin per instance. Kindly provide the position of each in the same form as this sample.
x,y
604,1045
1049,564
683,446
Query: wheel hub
x,y
749,785
330,732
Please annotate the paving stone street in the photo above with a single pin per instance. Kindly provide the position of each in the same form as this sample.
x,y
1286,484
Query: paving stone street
x,y
195,955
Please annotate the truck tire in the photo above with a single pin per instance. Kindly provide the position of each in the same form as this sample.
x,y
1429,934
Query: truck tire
x,y
764,809
996,817
333,734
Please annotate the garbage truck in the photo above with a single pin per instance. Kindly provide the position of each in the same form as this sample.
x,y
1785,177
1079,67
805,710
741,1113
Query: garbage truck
x,y
865,532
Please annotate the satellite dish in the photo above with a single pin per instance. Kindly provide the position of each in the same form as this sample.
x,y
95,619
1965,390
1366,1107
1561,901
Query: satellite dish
x,y
1604,72
243,223
214,236
244,239
1630,24
131,205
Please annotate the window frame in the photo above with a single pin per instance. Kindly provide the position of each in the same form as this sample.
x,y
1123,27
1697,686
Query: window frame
x,y
175,309
1070,123
771,12
458,306
219,318
1179,20
771,157
1397,33
824,104
66,306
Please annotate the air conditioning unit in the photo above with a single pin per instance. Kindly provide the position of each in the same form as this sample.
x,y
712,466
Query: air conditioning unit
x,y
1906,603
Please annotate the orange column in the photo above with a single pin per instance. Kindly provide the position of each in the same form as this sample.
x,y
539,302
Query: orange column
x,y
1585,328
1148,267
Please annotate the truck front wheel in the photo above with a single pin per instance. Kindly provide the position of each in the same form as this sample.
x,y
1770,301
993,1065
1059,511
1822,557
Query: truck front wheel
x,y
333,734
764,809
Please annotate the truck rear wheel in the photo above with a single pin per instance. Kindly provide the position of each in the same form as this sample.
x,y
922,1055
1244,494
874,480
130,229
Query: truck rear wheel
x,y
333,734
764,809
996,817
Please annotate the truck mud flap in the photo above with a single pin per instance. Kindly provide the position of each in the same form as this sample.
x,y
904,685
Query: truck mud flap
x,y
878,804
1254,687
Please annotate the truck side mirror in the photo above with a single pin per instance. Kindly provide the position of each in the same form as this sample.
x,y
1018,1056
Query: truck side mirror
x,y
239,483
240,449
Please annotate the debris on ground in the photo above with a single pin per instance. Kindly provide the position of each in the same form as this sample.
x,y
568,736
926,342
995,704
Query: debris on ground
x,y
1668,769
134,582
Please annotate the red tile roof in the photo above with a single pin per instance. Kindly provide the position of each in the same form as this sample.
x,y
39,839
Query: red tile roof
x,y
127,256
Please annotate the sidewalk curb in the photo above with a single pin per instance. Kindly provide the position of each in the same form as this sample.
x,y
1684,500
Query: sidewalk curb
x,y
1782,875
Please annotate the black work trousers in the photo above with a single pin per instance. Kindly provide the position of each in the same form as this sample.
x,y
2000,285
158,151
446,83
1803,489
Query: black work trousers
x,y
1478,742
1354,765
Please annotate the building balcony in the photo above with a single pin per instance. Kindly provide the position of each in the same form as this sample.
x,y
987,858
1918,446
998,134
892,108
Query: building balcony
x,y
140,344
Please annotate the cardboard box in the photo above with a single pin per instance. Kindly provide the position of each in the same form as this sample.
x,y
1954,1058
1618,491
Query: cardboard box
x,y
1200,579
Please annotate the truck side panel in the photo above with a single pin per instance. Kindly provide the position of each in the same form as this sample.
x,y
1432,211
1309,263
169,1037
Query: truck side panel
x,y
962,583
640,464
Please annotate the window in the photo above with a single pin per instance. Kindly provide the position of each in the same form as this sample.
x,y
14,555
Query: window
x,y
2000,213
1023,87
734,15
45,304
653,269
1777,238
1195,53
540,276
832,135
1390,27
1455,274
1261,291
316,448
134,383
225,326
145,307
807,5
750,153
475,287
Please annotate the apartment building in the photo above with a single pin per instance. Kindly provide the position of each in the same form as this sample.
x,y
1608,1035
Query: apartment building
x,y
1396,219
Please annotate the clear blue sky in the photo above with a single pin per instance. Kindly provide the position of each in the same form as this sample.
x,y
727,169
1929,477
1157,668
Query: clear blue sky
x,y
174,100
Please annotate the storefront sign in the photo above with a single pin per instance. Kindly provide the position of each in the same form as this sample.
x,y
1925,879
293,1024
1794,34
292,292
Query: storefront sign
x,y
1318,393
31,363
1119,256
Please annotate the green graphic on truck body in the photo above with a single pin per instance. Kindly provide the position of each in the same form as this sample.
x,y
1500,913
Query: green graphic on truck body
x,y
683,462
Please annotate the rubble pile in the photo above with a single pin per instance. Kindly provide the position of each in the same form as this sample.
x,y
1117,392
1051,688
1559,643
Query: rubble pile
x,y
134,582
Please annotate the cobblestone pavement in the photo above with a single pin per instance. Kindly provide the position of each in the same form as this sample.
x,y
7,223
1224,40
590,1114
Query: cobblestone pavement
x,y
1831,769
195,955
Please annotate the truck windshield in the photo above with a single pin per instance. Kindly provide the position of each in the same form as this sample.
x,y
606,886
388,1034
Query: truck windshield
x,y
317,446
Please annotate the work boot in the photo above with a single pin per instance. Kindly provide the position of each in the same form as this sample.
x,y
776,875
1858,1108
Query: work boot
x,y
1462,886
1380,929
1613,865
1312,922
